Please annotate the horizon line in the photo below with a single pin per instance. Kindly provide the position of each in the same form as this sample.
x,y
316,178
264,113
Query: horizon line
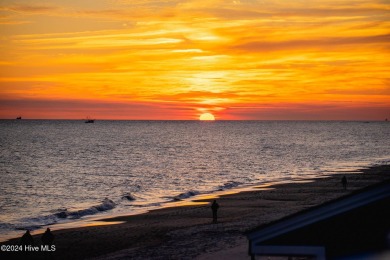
x,y
308,120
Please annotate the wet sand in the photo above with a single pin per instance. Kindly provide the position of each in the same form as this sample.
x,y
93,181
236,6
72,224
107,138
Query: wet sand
x,y
187,232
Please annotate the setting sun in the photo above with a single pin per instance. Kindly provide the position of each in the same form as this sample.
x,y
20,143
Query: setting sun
x,y
206,117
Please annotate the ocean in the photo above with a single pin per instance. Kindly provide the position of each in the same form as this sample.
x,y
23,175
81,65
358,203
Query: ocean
x,y
66,171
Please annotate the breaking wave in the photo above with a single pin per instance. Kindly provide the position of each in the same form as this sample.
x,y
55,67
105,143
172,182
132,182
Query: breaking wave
x,y
128,196
62,214
106,204
186,195
229,185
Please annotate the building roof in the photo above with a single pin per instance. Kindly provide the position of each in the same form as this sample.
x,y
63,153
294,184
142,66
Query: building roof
x,y
354,224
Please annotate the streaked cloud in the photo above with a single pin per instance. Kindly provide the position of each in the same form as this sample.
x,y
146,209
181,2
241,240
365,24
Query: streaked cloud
x,y
29,9
80,109
313,43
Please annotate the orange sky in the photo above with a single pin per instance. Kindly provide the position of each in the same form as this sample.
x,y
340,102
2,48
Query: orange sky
x,y
170,59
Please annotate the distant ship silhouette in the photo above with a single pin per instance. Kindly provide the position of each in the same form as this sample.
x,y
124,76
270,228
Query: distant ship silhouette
x,y
19,117
89,120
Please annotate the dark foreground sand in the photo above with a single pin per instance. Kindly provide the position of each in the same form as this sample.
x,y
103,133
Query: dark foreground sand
x,y
187,232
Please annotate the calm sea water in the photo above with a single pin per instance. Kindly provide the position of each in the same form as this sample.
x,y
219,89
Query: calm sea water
x,y
63,171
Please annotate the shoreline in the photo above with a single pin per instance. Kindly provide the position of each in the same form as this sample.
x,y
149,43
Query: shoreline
x,y
185,231
99,219
96,220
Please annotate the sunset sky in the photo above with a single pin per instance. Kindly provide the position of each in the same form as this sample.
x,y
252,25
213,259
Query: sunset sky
x,y
168,59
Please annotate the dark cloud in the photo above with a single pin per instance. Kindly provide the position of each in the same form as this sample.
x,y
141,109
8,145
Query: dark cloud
x,y
79,109
313,43
30,9
293,111
259,11
333,12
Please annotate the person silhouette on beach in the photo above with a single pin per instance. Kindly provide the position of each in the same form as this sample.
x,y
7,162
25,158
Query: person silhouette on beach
x,y
214,208
27,239
47,238
344,182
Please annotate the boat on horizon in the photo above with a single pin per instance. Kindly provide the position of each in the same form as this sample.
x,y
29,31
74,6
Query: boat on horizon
x,y
19,118
89,120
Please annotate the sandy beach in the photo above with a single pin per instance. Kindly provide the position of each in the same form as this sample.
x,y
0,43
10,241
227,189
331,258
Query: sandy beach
x,y
187,232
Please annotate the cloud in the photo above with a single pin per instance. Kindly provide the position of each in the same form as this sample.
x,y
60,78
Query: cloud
x,y
308,111
106,13
165,110
333,11
30,9
79,109
330,42
9,21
